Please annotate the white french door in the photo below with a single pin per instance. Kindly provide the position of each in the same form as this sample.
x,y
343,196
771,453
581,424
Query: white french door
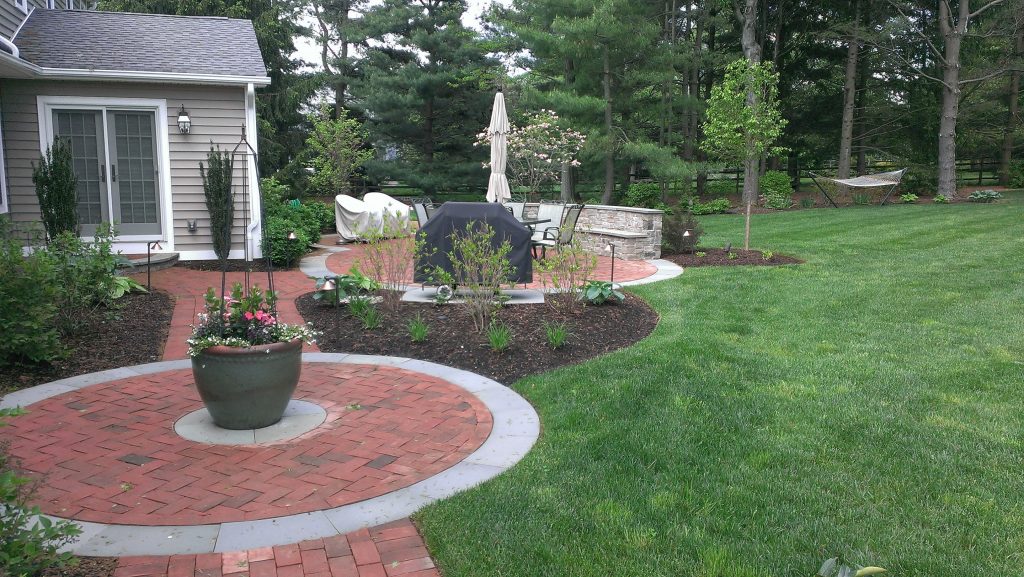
x,y
115,157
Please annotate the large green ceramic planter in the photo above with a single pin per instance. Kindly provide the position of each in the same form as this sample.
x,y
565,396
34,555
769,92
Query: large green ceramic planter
x,y
248,388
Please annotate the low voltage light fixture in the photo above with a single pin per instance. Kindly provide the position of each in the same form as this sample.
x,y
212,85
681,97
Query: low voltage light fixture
x,y
292,236
184,122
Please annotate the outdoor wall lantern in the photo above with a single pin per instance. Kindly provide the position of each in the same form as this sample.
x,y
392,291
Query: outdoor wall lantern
x,y
192,224
184,122
292,236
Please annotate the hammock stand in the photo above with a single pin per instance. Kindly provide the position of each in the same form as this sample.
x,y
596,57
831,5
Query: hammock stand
x,y
880,180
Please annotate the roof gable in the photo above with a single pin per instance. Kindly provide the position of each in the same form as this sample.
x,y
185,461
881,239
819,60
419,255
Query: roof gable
x,y
151,43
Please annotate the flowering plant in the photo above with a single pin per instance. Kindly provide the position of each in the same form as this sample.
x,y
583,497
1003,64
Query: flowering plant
x,y
538,149
243,320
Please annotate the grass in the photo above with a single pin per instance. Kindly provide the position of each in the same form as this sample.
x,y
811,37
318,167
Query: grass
x,y
865,404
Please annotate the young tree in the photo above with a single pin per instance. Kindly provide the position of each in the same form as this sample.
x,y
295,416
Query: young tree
x,y
743,122
338,149
56,184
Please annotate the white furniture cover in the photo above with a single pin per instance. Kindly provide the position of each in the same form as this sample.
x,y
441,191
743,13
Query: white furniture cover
x,y
356,218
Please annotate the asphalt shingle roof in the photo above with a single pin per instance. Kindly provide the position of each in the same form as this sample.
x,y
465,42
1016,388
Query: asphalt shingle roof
x,y
92,40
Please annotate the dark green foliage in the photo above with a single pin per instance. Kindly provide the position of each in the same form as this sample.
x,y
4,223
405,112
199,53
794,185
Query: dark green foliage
x,y
282,250
353,284
643,195
776,189
27,309
674,236
28,542
55,182
499,336
1016,174
557,334
715,188
85,275
307,218
217,186
323,213
861,198
920,179
719,205
807,202
418,329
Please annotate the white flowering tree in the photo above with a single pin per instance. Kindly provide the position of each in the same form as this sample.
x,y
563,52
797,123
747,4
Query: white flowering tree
x,y
538,149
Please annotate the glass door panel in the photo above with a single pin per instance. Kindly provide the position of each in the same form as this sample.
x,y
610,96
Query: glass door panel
x,y
133,175
83,130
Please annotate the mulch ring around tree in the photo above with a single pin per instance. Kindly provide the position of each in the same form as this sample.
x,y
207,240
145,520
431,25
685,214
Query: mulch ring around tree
x,y
131,334
593,330
719,257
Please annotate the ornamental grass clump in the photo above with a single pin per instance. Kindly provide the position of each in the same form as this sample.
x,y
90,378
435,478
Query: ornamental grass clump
x,y
245,319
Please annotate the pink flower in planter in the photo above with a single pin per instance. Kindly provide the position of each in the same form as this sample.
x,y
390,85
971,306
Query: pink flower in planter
x,y
248,316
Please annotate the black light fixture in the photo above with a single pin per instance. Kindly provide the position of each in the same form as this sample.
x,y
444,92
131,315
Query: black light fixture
x,y
330,284
184,122
610,247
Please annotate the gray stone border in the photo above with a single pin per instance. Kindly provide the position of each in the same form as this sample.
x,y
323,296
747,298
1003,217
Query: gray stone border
x,y
515,429
666,270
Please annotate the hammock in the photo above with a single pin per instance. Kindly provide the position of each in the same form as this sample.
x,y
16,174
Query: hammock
x,y
880,180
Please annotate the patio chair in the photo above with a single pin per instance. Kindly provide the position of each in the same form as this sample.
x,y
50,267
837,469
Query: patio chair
x,y
558,236
421,213
516,208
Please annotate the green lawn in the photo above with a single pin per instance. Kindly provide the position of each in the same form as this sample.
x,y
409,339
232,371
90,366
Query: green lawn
x,y
865,404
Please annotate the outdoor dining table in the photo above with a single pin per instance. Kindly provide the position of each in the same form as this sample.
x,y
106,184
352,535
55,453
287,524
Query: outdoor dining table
x,y
532,222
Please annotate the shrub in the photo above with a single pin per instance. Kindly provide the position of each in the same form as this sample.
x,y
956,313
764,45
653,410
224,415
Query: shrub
x,y
599,292
721,187
84,273
481,266
719,205
29,543
674,233
643,195
276,244
920,179
776,189
1016,174
217,188
985,196
27,306
55,187
323,213
940,199
807,202
908,198
388,256
564,272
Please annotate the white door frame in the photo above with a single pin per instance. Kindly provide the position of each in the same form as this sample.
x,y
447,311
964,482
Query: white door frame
x,y
45,106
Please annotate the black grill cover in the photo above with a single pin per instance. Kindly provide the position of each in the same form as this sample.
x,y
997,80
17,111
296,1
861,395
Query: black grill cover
x,y
454,217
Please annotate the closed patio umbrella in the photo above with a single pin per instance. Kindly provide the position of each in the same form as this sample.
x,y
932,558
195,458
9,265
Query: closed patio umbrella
x,y
497,186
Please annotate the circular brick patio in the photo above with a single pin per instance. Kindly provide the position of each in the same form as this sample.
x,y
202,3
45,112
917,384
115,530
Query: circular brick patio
x,y
108,453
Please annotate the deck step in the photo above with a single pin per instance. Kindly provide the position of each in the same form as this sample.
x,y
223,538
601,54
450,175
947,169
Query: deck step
x,y
158,261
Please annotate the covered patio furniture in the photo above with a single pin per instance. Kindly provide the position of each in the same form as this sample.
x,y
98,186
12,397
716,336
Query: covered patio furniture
x,y
560,236
376,214
452,218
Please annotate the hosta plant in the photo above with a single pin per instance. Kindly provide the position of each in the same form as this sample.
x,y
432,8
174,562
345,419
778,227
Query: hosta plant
x,y
598,292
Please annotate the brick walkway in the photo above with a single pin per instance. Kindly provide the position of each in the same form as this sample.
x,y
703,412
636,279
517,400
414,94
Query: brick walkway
x,y
389,550
109,454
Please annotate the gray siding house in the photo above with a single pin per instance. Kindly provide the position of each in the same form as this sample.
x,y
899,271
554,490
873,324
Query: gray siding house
x,y
113,84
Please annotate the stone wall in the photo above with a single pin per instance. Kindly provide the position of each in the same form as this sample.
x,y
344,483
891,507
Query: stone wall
x,y
635,232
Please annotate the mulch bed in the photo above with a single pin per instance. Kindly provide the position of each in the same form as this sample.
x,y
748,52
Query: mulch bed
x,y
233,265
452,341
719,257
130,335
85,567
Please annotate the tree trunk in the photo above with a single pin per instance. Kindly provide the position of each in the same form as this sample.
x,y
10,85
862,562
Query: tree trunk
x,y
1011,120
952,36
609,155
849,102
568,184
752,163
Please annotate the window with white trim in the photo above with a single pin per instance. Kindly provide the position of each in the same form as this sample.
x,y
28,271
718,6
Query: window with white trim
x,y
22,5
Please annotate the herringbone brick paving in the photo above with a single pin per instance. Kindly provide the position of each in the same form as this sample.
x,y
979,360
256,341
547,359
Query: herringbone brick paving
x,y
391,550
108,453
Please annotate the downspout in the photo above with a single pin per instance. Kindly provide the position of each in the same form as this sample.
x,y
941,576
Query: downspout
x,y
254,234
